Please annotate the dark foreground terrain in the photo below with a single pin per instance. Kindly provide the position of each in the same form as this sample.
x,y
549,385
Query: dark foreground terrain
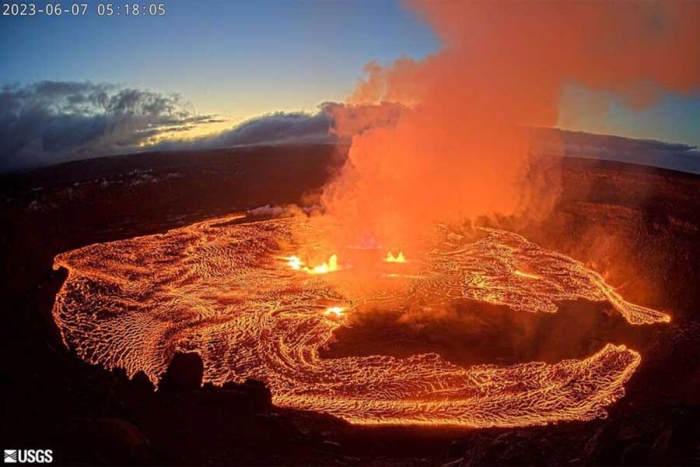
x,y
638,226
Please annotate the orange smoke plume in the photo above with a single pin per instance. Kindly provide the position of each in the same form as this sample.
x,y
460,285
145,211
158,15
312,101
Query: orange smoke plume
x,y
458,146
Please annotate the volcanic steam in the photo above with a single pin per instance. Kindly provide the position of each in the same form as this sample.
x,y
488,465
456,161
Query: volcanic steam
x,y
445,138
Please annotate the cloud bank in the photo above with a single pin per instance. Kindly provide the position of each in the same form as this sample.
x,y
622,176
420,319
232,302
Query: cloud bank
x,y
56,121
52,122
274,128
332,123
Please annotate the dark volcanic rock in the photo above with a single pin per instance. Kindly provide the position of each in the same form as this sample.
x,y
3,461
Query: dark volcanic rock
x,y
142,383
456,449
278,430
332,446
455,463
107,441
681,442
664,436
260,395
635,454
184,374
233,400
121,441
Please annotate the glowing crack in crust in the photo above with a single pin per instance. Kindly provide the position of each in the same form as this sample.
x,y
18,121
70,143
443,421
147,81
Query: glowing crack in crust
x,y
221,289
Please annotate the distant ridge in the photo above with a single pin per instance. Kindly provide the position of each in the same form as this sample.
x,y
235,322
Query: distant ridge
x,y
652,153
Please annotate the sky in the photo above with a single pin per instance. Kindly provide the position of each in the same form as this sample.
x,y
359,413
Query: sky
x,y
672,117
236,60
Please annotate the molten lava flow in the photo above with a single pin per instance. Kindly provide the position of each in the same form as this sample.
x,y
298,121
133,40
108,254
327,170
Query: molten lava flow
x,y
220,289
490,270
294,262
325,268
525,274
335,311
390,258
297,264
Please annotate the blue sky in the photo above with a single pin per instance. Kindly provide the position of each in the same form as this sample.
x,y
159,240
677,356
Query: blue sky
x,y
242,58
672,117
239,58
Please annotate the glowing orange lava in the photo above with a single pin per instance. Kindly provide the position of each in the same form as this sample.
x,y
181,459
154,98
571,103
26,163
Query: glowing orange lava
x,y
325,268
390,258
335,311
525,274
294,262
297,264
221,290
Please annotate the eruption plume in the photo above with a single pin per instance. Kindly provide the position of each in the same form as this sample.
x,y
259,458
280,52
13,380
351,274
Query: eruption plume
x,y
459,144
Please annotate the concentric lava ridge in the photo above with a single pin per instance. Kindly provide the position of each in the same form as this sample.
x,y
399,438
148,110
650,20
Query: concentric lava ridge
x,y
224,289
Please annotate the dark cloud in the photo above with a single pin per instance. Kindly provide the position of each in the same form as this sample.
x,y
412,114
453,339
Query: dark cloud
x,y
275,128
55,121
332,123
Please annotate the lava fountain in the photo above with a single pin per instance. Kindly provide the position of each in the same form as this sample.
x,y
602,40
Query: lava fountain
x,y
240,295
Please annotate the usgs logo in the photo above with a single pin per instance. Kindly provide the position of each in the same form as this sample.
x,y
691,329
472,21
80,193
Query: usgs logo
x,y
22,456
